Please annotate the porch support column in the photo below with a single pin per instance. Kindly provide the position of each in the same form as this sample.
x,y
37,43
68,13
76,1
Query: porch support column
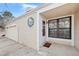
x,y
38,30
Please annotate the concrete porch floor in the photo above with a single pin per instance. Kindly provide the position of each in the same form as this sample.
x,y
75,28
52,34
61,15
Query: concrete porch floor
x,y
11,48
60,50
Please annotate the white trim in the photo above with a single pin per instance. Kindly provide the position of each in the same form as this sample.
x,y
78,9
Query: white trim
x,y
58,17
73,29
38,31
66,40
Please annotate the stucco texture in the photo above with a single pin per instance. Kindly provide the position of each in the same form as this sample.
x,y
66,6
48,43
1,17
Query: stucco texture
x,y
76,29
26,34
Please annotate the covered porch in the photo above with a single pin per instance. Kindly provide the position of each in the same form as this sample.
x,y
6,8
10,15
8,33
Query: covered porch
x,y
65,10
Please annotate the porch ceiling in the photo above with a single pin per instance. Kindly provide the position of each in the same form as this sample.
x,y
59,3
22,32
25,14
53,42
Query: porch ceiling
x,y
66,9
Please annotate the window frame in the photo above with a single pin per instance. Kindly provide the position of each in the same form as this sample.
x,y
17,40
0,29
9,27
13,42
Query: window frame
x,y
43,28
70,21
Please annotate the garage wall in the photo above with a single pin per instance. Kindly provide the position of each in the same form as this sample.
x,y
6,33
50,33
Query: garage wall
x,y
77,30
27,35
12,32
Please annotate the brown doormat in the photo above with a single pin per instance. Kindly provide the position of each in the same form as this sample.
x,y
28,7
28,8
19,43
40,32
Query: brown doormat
x,y
47,44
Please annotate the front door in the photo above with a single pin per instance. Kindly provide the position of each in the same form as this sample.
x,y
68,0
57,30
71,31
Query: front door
x,y
43,32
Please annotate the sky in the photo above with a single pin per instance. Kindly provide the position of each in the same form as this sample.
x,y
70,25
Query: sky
x,y
17,9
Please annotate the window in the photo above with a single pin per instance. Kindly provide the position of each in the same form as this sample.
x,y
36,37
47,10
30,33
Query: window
x,y
43,28
60,28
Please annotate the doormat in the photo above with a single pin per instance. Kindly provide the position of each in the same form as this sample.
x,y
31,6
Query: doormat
x,y
47,44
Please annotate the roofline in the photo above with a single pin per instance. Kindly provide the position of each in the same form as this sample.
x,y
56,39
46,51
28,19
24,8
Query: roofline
x,y
35,9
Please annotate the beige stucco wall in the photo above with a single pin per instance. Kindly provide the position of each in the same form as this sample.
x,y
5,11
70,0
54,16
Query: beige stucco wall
x,y
76,33
27,35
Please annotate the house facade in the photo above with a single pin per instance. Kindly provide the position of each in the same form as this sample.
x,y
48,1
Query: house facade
x,y
55,23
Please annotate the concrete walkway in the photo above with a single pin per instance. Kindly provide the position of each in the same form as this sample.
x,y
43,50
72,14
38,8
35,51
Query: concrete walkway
x,y
60,50
9,47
